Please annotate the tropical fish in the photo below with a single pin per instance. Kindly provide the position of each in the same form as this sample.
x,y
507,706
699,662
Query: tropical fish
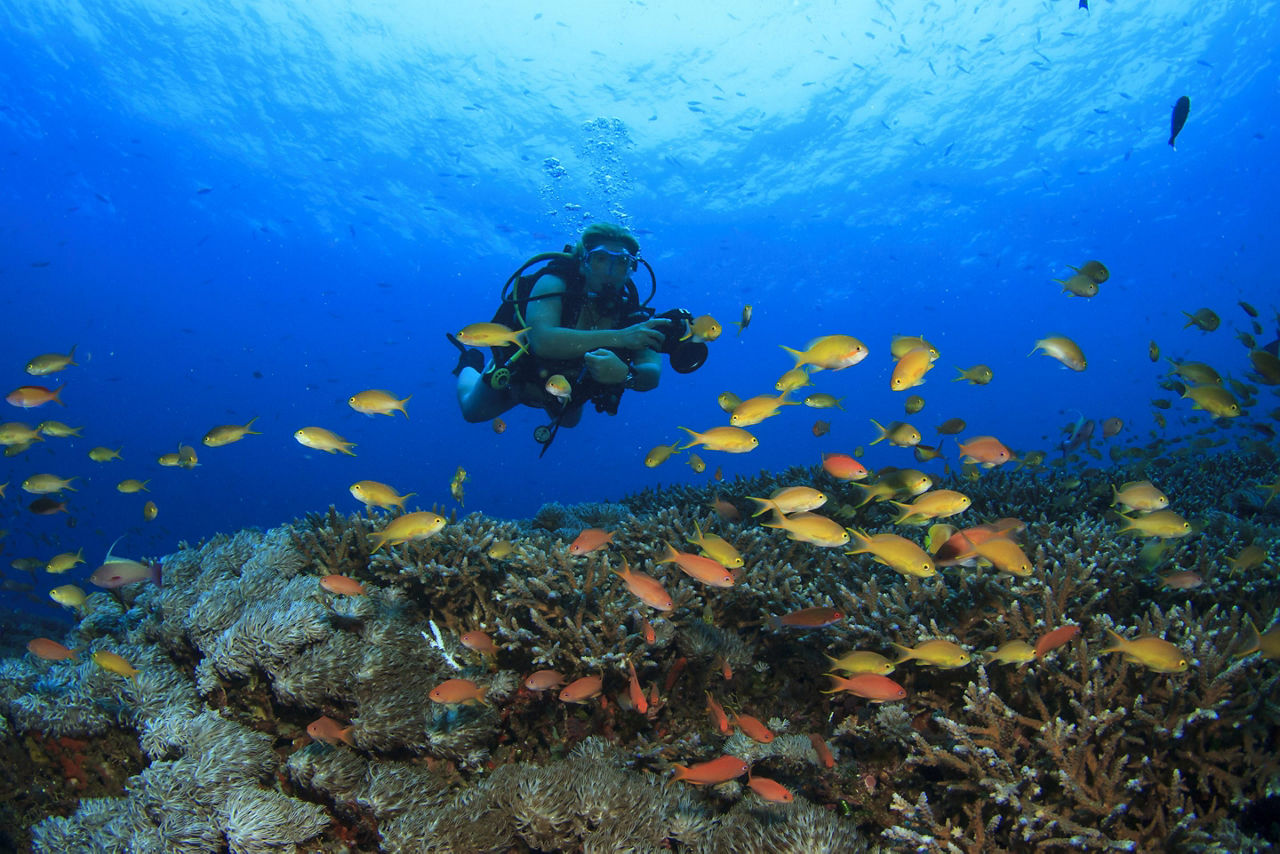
x,y
830,352
790,499
939,504
478,641
408,528
977,375
793,379
1079,285
1204,319
50,650
810,618
543,680
130,485
581,690
1161,523
342,585
377,402
1051,640
634,692
718,716
116,572
329,731
753,410
753,728
897,553
646,588
986,451
114,663
728,401
559,388
1217,401
716,547
1095,270
1139,495
1183,579
31,396
60,563
810,528
17,433
824,753
57,429
938,652
770,790
589,540
900,345
455,485
1250,557
492,335
860,661
321,439
1064,350
50,363
1011,652
869,686
46,484
68,595
227,433
821,428
703,569
710,773
704,328
951,426
1151,652
452,692
696,463
659,454
1181,109
910,369
372,493
746,319
843,467
1005,555
150,511
899,433
731,440
822,400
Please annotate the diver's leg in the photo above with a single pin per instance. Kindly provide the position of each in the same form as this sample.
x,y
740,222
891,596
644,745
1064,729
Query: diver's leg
x,y
478,401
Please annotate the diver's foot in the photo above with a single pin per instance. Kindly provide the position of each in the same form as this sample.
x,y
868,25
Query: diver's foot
x,y
468,358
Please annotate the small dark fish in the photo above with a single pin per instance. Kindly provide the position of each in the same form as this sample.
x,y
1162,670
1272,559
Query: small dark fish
x,y
1084,4
257,375
39,263
1180,112
204,191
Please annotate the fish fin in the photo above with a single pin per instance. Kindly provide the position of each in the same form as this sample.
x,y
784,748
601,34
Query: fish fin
x,y
156,568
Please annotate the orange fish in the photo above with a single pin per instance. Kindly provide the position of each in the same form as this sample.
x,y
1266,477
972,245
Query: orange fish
x,y
871,686
843,467
770,790
581,690
451,692
635,692
986,451
646,628
710,773
31,396
704,569
824,752
50,650
718,717
821,428
753,728
646,588
1050,641
589,540
543,680
479,642
329,731
499,426
342,585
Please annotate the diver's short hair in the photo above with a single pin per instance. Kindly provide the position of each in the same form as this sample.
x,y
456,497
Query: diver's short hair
x,y
606,232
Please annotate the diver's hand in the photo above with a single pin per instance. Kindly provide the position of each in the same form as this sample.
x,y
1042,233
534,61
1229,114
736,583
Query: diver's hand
x,y
644,335
605,366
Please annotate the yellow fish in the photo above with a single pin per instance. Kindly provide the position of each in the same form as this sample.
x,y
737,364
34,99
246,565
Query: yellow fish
x,y
150,511
731,440
938,652
406,528
558,387
455,485
1196,372
1215,400
810,528
187,457
371,493
977,375
1162,523
62,562
1151,652
1012,652
1079,285
897,553
1250,557
1064,350
169,460
753,410
377,402
661,453
716,547
46,484
899,433
492,335
910,369
938,504
321,439
830,352
114,663
859,661
1267,643
728,401
900,345
792,380
695,462
57,429
228,433
704,328
913,404
50,363
131,485
1139,495
68,595
501,550
746,319
17,433
791,499
822,400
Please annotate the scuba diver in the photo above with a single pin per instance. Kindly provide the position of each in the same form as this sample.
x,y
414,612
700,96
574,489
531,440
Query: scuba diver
x,y
590,337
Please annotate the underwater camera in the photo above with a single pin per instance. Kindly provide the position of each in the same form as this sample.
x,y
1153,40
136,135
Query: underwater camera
x,y
685,356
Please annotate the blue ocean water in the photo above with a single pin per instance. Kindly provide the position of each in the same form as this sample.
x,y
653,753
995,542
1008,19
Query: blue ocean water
x,y
240,210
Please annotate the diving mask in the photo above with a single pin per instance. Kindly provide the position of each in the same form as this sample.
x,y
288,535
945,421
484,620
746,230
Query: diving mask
x,y
612,262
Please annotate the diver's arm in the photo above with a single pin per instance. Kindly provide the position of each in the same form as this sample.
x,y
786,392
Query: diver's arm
x,y
550,340
646,367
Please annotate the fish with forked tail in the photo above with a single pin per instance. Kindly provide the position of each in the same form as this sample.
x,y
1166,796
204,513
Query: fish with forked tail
x,y
1181,110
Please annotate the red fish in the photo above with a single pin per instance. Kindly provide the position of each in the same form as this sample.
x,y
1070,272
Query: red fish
x,y
770,790
753,728
635,692
451,692
589,540
824,752
843,467
342,585
718,716
1050,641
986,451
710,773
480,642
543,680
581,690
31,396
871,686
811,618
329,731
49,650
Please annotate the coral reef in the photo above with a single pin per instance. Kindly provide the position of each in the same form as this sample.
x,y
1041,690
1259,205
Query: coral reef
x,y
243,649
